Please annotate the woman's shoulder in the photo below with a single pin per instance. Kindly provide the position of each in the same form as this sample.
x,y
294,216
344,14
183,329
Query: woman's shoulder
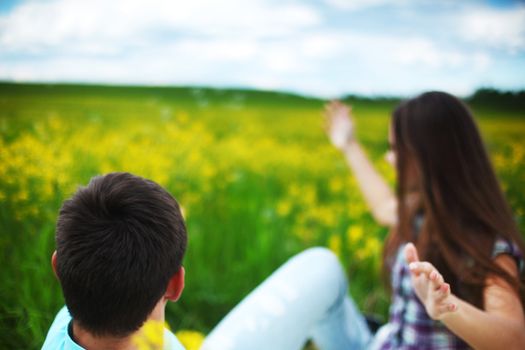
x,y
503,245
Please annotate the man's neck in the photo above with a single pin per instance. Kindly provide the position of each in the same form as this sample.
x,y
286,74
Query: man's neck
x,y
88,341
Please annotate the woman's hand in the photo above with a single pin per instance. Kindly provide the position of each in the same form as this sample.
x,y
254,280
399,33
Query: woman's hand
x,y
429,285
339,124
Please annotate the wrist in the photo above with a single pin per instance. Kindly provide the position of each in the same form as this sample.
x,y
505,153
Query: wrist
x,y
350,143
447,316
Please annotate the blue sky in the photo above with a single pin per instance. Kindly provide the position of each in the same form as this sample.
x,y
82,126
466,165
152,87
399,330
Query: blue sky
x,y
323,47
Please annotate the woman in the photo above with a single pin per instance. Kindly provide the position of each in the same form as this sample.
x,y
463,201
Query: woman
x,y
453,254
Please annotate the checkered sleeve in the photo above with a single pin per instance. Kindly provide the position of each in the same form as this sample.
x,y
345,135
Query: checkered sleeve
x,y
505,246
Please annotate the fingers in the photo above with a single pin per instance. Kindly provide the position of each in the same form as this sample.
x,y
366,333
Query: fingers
x,y
435,277
426,268
439,302
447,307
419,267
440,305
442,292
411,253
331,106
335,114
335,106
430,287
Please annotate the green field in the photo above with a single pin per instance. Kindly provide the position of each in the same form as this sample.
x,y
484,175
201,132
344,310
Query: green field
x,y
254,172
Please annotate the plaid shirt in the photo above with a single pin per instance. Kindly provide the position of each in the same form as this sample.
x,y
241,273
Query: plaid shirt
x,y
410,327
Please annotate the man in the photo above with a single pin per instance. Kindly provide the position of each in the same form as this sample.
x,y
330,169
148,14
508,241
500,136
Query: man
x,y
120,243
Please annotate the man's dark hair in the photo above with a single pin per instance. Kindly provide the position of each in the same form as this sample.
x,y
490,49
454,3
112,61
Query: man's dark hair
x,y
119,241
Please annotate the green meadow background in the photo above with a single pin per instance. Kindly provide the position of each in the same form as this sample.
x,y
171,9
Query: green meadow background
x,y
255,174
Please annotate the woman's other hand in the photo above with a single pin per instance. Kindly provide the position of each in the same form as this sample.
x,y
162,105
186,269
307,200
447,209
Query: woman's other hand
x,y
429,285
339,123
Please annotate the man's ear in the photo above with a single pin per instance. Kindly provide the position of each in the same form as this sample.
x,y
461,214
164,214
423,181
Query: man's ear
x,y
175,285
54,263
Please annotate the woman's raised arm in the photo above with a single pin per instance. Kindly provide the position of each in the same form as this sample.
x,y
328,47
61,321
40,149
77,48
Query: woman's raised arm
x,y
378,195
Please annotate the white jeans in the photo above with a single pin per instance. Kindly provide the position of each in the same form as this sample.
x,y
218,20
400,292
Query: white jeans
x,y
306,298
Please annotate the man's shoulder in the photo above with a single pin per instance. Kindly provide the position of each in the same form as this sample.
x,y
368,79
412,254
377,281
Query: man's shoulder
x,y
171,342
57,336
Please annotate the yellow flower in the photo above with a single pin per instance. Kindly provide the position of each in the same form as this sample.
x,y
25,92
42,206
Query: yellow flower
x,y
192,340
326,215
208,171
334,244
284,208
354,234
150,337
373,247
517,154
304,233
336,185
309,196
295,190
22,196
183,117
184,212
357,208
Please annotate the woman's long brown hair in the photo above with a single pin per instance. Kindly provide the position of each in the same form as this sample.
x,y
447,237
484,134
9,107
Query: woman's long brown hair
x,y
463,205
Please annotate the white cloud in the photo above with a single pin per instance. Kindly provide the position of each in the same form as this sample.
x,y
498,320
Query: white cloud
x,y
265,83
393,50
68,24
216,49
353,5
499,28
321,45
425,52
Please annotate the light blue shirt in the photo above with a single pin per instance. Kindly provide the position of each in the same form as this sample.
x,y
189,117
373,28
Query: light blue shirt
x,y
58,337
